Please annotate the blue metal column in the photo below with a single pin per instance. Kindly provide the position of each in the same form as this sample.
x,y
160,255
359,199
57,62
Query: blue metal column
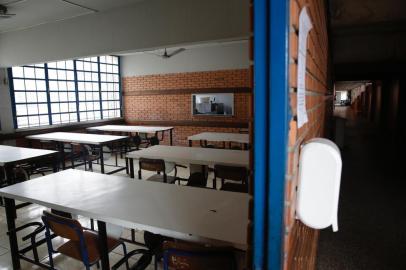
x,y
261,93
279,124
271,112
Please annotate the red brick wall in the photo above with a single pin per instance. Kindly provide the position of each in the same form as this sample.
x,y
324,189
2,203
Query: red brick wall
x,y
177,107
299,254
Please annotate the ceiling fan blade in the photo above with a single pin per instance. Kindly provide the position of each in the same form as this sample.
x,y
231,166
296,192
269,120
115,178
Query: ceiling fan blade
x,y
154,53
176,52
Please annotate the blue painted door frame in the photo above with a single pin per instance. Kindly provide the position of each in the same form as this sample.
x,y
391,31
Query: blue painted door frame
x,y
271,112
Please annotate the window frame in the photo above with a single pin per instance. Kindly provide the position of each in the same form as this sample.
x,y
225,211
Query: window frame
x,y
118,112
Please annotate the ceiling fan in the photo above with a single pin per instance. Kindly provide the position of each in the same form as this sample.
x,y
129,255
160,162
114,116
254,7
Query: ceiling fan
x,y
4,13
167,55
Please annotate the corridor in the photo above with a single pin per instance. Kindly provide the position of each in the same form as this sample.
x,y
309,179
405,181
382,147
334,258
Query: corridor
x,y
372,219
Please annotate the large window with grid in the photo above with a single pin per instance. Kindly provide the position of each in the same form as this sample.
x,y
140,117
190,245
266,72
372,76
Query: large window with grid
x,y
66,91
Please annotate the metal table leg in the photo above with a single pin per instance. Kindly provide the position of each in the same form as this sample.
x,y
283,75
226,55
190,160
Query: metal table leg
x,y
62,154
11,216
101,159
104,253
131,161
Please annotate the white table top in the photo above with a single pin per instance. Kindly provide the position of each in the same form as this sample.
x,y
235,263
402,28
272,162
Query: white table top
x,y
220,137
193,155
195,213
125,128
11,154
71,137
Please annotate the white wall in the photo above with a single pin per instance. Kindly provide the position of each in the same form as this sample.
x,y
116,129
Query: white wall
x,y
213,57
6,115
144,25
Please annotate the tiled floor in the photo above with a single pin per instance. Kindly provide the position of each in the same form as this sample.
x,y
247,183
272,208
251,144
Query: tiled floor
x,y
372,204
33,213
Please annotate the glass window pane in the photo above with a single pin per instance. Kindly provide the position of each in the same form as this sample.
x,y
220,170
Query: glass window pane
x,y
82,96
31,97
69,64
29,72
21,110
60,64
62,86
95,77
81,86
52,74
72,96
96,96
41,85
72,107
54,96
19,97
56,118
42,108
63,96
32,109
30,85
71,86
83,116
73,117
82,107
79,65
55,108
96,105
88,86
64,107
53,85
94,67
33,120
44,120
42,96
88,76
40,73
52,65
87,66
18,72
89,96
61,75
70,75
18,84
22,122
81,76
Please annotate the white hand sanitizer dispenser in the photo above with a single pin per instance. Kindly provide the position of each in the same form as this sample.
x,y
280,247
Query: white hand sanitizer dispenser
x,y
319,184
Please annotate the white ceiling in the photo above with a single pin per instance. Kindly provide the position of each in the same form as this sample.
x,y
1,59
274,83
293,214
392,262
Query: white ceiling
x,y
31,13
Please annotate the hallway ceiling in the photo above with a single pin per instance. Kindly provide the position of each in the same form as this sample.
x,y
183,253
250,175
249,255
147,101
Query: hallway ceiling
x,y
348,85
366,12
368,37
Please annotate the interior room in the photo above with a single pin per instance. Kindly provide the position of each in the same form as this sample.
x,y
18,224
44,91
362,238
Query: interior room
x,y
194,135
84,97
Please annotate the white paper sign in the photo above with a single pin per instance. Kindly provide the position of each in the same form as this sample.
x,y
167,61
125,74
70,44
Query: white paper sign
x,y
305,25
